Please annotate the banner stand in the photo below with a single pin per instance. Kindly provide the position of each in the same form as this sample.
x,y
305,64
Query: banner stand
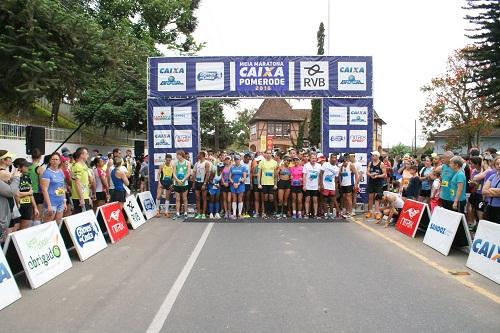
x,y
110,218
133,212
9,291
85,233
12,256
412,215
484,255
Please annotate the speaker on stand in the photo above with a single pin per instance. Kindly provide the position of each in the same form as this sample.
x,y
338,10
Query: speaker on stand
x,y
138,148
35,138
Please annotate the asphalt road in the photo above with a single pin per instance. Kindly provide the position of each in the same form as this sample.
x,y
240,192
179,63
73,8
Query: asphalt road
x,y
259,277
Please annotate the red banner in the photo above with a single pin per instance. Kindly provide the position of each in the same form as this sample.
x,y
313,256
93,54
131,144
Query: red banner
x,y
269,142
115,221
410,217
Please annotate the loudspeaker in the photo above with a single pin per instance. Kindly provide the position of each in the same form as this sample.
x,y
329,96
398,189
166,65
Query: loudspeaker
x,y
138,148
35,138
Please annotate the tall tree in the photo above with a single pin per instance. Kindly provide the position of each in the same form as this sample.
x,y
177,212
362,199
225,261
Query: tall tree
x,y
315,123
451,101
399,150
240,128
485,15
216,131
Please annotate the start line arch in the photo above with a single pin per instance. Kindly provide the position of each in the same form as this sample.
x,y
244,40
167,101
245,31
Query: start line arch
x,y
175,85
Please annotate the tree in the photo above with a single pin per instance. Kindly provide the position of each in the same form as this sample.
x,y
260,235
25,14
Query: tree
x,y
315,123
300,136
485,15
399,150
216,131
240,128
451,101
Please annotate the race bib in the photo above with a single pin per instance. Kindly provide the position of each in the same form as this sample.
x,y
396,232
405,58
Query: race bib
x,y
444,183
59,192
25,200
314,175
344,174
268,173
296,182
329,178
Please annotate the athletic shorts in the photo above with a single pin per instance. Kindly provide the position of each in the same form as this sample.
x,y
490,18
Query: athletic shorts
x,y
312,193
268,189
57,207
181,189
166,183
476,201
225,189
256,188
101,196
78,209
328,193
119,196
375,187
239,189
247,187
425,193
297,189
284,184
26,211
346,189
198,186
38,198
213,191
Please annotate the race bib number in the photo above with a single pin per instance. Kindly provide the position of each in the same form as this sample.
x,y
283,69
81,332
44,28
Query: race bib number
x,y
444,183
268,173
60,192
25,200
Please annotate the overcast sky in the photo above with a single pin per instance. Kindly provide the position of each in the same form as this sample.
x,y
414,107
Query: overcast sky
x,y
409,41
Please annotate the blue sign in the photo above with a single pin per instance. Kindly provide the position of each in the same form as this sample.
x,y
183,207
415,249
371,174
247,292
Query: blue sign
x,y
262,76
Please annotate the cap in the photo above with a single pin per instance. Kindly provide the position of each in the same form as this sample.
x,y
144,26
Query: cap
x,y
65,158
259,158
248,155
376,153
237,157
488,157
434,155
20,162
320,155
220,165
295,158
7,155
227,157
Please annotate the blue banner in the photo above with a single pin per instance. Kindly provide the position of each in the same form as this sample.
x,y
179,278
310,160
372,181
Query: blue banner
x,y
237,77
348,128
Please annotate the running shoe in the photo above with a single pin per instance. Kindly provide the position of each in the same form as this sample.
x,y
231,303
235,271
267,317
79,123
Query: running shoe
x,y
232,217
299,216
211,216
217,216
369,215
176,216
203,216
378,216
185,216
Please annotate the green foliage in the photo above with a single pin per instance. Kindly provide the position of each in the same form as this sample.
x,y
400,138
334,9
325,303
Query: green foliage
x,y
485,15
399,150
300,136
315,123
241,129
215,130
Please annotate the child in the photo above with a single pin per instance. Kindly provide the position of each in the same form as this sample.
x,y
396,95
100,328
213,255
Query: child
x,y
413,189
392,203
435,189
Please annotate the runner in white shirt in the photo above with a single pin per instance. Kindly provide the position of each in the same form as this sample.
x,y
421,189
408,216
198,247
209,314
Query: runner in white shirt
x,y
247,160
311,173
361,170
328,181
392,203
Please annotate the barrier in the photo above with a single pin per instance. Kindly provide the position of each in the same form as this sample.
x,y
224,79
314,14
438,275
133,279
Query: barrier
x,y
85,233
42,252
147,204
111,217
133,212
447,228
484,255
9,292
412,214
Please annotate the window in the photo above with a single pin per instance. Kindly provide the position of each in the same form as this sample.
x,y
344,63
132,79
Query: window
x,y
253,130
278,129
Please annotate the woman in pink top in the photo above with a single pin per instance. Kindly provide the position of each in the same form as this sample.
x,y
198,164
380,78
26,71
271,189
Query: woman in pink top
x,y
296,177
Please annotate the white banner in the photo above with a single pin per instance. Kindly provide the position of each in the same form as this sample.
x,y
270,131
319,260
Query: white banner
x,y
86,234
442,229
148,204
9,292
42,252
134,215
484,256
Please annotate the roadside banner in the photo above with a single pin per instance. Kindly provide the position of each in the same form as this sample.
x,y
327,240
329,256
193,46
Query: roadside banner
x,y
85,234
9,292
112,217
412,214
148,204
484,256
42,252
133,212
445,229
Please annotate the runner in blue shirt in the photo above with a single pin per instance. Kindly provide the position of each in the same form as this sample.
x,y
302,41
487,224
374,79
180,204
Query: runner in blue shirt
x,y
457,185
237,176
446,174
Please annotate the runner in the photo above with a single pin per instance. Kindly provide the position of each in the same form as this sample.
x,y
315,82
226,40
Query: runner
x,y
225,186
491,193
247,161
214,191
267,182
391,206
446,175
376,174
425,191
181,174
297,187
349,180
35,171
165,183
311,173
361,174
201,177
284,185
120,180
25,200
458,184
53,188
80,183
329,177
237,176
257,192
101,183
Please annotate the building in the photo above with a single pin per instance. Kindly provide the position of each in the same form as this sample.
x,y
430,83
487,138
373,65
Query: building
x,y
377,131
452,139
275,117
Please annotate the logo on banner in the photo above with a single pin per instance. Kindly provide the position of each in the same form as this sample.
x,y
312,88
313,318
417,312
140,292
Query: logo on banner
x,y
182,115
159,159
162,139
412,212
162,115
183,138
358,139
314,75
47,250
362,158
86,233
337,115
487,249
4,273
172,77
440,229
352,76
337,138
358,115
210,76
262,75
148,204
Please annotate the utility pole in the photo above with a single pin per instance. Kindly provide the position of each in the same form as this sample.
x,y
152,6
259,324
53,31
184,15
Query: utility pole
x,y
415,138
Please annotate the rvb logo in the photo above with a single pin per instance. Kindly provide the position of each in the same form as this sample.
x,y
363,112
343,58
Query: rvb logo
x,y
314,75
487,249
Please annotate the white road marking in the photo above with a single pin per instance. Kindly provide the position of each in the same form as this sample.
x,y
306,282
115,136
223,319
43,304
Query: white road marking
x,y
165,308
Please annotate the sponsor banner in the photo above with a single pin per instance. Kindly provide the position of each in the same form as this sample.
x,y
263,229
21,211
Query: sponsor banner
x,y
362,158
9,292
337,115
358,139
42,252
209,76
352,76
134,215
269,143
443,228
183,138
114,220
86,234
337,138
262,75
162,139
314,75
263,143
162,115
484,255
183,115
159,158
172,76
410,217
148,204
358,115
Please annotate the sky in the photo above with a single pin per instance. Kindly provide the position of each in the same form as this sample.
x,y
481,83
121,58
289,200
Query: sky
x,y
409,41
